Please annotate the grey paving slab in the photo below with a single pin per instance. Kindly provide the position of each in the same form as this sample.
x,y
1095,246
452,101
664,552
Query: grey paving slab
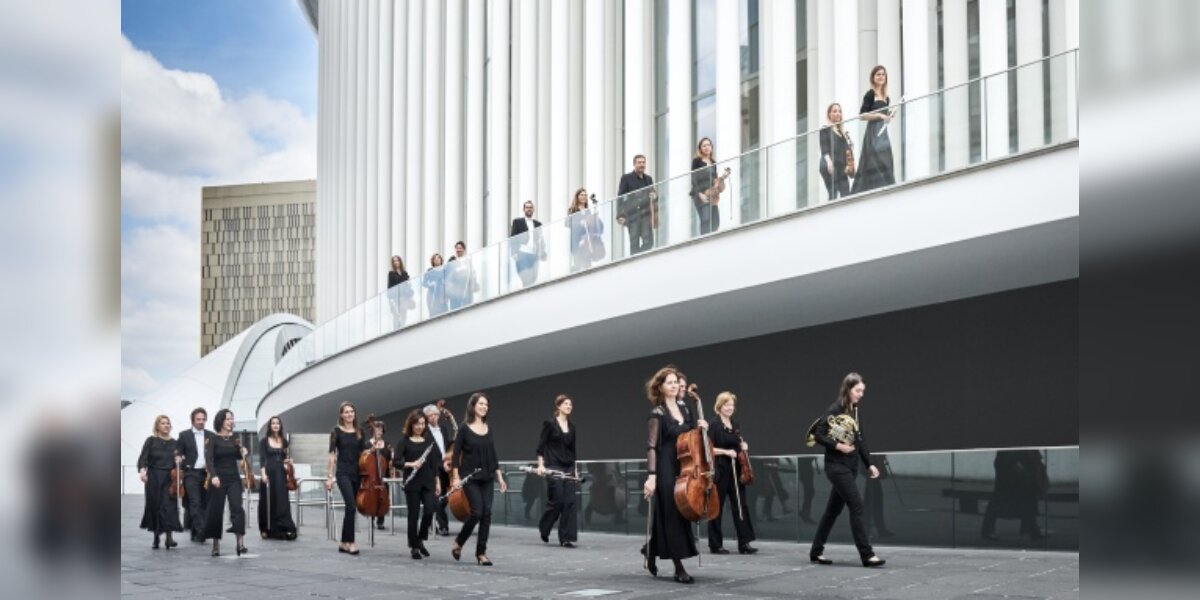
x,y
310,567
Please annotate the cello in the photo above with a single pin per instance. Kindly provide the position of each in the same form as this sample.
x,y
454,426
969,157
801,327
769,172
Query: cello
x,y
695,491
374,498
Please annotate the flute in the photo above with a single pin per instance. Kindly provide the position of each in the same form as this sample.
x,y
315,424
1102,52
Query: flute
x,y
555,474
420,463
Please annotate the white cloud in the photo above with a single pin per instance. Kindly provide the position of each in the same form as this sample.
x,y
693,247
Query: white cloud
x,y
178,134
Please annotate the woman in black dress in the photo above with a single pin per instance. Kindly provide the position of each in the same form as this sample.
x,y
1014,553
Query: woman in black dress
x,y
399,292
556,450
475,452
154,465
875,158
274,506
727,441
838,431
223,453
835,143
704,176
421,486
346,442
670,533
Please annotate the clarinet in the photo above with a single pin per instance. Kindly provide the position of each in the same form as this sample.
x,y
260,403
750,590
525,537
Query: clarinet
x,y
420,463
555,474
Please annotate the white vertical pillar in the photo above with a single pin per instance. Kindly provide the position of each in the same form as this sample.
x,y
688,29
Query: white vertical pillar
x,y
383,185
868,35
778,24
956,126
680,143
993,58
545,108
920,46
889,55
526,47
728,53
817,98
453,199
323,144
500,123
399,136
415,165
615,159
1064,35
1031,129
553,202
358,168
595,86
434,182
639,64
848,76
474,150
575,88
369,235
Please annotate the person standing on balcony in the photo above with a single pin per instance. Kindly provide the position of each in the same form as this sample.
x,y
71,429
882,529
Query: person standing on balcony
x,y
435,286
706,187
526,245
587,242
875,162
461,284
835,167
556,451
637,206
399,292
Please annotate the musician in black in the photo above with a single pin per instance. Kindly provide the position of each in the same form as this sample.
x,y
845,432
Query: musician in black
x,y
670,533
223,454
637,206
838,431
419,459
556,451
526,245
274,505
835,143
191,446
704,178
475,455
346,442
727,442
443,432
377,429
154,468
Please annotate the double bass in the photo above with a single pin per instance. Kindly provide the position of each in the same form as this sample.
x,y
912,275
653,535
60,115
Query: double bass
x,y
695,488
374,498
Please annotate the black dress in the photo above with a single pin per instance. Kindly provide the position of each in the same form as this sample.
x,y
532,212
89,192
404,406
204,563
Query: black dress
x,y
833,149
727,438
158,458
279,525
875,155
557,449
222,456
704,175
671,534
419,493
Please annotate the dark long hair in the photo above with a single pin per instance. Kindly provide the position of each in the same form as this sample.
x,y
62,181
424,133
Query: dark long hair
x,y
282,434
848,383
654,385
411,419
219,420
470,416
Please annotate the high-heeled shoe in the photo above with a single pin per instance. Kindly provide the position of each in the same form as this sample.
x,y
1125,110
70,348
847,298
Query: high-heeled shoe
x,y
652,567
874,561
683,577
216,551
567,544
155,545
171,543
819,559
242,550
416,554
483,560
456,551
421,548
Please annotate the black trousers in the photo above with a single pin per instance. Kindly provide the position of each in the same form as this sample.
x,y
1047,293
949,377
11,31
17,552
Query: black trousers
x,y
725,493
479,494
197,501
421,504
348,486
838,187
439,513
805,467
844,493
230,490
561,507
641,234
710,215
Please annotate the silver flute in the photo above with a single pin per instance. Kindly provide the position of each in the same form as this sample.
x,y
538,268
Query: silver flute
x,y
555,474
420,463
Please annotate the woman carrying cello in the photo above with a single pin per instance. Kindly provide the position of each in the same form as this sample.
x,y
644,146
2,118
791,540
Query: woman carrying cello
x,y
670,533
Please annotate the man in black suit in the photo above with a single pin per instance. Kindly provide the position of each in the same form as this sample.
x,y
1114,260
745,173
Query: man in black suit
x,y
191,444
442,433
637,204
526,246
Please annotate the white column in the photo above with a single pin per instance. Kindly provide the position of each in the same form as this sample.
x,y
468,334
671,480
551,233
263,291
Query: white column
x,y
639,63
1031,129
474,150
575,146
920,45
674,198
433,189
415,165
615,159
399,98
820,85
552,204
728,79
957,124
358,172
369,235
868,35
453,199
526,47
499,140
383,185
323,145
993,58
778,104
1064,35
594,176
849,78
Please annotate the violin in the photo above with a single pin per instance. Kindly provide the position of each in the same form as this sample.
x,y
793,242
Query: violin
x,y
176,489
745,472
249,481
288,469
374,497
695,489
850,169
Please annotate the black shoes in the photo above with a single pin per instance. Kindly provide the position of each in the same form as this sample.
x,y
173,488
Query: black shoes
x,y
819,559
171,543
718,551
216,551
421,548
545,537
155,546
444,532
456,551
652,566
483,561
566,544
683,577
416,554
874,561
747,549
242,550
379,525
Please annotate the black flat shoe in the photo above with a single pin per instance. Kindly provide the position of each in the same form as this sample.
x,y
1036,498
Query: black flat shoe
x,y
545,537
422,550
566,544
684,578
416,554
819,559
718,551
155,545
483,561
874,561
380,526
171,543
456,551
747,549
652,567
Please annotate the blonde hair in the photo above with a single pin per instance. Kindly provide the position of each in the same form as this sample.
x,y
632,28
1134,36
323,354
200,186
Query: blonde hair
x,y
722,399
837,126
154,432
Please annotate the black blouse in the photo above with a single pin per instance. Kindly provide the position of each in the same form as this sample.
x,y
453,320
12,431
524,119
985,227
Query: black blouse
x,y
723,438
703,175
270,456
473,451
221,455
820,432
834,146
157,453
557,448
347,446
410,451
395,279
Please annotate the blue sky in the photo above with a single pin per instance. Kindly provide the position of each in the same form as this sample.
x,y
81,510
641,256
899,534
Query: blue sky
x,y
246,45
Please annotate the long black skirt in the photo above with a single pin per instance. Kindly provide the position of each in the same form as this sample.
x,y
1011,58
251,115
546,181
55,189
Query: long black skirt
x,y
161,513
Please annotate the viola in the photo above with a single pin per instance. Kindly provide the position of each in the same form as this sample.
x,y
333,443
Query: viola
x,y
289,470
745,471
249,481
374,497
695,489
176,489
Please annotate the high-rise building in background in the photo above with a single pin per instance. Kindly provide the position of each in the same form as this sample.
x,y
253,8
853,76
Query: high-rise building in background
x,y
256,256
